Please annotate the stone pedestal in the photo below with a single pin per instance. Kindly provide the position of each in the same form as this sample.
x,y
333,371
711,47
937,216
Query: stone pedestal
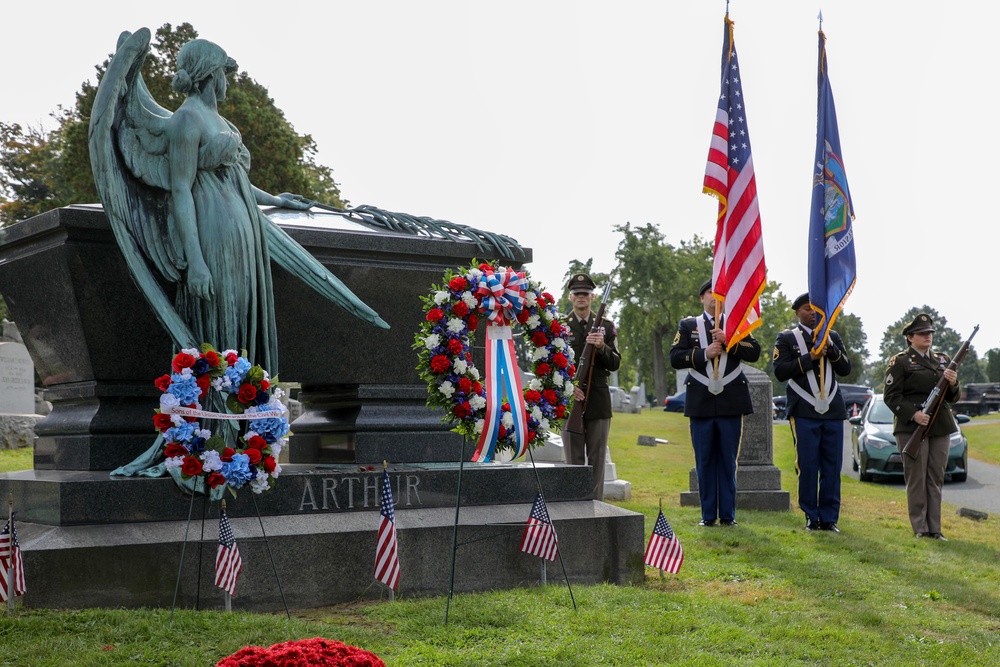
x,y
758,480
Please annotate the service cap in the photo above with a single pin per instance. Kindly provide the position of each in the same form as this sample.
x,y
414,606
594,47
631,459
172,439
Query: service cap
x,y
581,282
920,323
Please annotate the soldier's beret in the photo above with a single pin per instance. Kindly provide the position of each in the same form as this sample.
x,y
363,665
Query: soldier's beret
x,y
920,323
705,286
581,282
800,301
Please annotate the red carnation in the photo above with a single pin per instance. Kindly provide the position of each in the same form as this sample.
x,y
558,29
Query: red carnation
x,y
523,315
560,360
232,358
477,388
162,421
458,283
247,394
455,346
556,327
268,464
462,410
531,437
505,406
227,454
473,322
182,360
464,385
434,315
542,369
215,479
440,363
532,396
571,371
560,411
460,309
191,466
485,267
550,396
548,297
502,432
253,454
163,383
175,449
257,442
539,339
203,383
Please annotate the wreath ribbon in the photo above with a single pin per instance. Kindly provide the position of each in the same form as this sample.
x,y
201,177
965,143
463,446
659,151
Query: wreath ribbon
x,y
501,295
246,416
502,377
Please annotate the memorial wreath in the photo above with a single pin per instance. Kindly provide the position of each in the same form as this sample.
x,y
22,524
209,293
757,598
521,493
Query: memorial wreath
x,y
206,377
473,402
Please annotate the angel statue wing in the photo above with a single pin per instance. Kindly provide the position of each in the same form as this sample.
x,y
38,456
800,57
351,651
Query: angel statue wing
x,y
129,157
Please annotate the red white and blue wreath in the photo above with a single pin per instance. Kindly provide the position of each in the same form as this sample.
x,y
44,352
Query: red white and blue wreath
x,y
473,403
250,399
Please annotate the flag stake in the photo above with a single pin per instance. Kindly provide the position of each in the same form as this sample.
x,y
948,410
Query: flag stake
x,y
538,482
180,566
454,531
270,556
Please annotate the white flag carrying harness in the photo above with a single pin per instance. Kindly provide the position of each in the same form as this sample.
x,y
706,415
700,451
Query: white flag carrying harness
x,y
820,403
715,386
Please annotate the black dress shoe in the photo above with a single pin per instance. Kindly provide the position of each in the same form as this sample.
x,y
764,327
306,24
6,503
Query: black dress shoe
x,y
937,536
812,525
707,522
728,522
830,526
921,534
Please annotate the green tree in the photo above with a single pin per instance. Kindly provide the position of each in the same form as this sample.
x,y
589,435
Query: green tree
x,y
40,171
775,316
852,332
992,359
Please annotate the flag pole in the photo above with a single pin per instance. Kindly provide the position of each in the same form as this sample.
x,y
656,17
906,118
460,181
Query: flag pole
x,y
715,362
454,530
226,597
538,485
9,571
267,545
657,516
180,567
392,592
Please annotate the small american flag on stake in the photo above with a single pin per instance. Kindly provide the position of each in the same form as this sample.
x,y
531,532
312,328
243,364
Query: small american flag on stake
x,y
11,565
664,551
539,536
228,563
386,556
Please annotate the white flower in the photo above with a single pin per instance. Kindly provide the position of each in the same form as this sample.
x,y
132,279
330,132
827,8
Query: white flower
x,y
193,352
168,401
441,297
469,299
460,366
228,352
277,468
536,414
277,392
571,354
260,484
175,462
503,455
568,390
530,297
539,354
557,379
455,324
480,424
276,448
432,341
474,275
477,402
203,433
558,343
474,373
535,384
446,388
176,420
532,322
543,425
507,420
211,460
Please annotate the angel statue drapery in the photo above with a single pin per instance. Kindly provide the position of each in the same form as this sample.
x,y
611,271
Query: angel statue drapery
x,y
176,191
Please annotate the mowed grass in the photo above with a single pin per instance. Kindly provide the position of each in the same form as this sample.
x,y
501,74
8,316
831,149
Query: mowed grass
x,y
765,593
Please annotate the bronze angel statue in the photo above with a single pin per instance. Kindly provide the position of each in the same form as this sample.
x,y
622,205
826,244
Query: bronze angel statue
x,y
176,190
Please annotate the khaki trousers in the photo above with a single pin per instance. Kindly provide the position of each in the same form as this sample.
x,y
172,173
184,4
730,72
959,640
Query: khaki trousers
x,y
593,443
924,480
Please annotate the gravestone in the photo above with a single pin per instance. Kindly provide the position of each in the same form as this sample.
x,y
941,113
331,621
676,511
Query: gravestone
x,y
758,480
17,391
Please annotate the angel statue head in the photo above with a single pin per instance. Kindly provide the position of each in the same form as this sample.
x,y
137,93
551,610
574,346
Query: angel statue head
x,y
197,61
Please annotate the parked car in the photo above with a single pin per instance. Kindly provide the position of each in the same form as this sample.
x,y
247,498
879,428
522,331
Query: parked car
x,y
674,403
874,451
855,397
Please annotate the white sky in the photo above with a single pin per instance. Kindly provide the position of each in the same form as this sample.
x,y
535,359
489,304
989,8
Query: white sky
x,y
553,121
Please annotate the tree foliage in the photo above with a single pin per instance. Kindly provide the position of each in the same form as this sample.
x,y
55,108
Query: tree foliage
x,y
43,170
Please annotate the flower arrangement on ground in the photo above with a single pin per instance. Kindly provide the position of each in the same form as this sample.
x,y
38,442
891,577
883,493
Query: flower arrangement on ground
x,y
303,653
452,314
220,381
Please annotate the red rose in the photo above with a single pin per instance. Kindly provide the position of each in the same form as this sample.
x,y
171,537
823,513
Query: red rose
x,y
257,442
542,369
163,383
477,388
232,358
227,454
440,363
473,322
458,283
464,385
182,360
556,327
550,396
190,419
215,479
265,385
247,394
253,454
571,371
434,315
532,396
560,360
269,464
191,466
203,383
539,339
485,267
560,411
162,421
455,346
175,449
460,309
212,357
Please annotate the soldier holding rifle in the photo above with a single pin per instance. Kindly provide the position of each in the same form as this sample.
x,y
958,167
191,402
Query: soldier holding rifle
x,y
910,378
593,392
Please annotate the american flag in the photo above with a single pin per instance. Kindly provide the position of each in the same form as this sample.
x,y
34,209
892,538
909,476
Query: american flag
x,y
228,563
539,536
10,560
738,273
664,551
386,556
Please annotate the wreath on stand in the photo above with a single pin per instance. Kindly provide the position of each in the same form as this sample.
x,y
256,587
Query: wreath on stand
x,y
221,381
451,317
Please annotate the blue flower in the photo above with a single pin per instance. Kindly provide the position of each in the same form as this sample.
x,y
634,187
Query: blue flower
x,y
200,367
242,366
183,433
237,472
185,388
263,397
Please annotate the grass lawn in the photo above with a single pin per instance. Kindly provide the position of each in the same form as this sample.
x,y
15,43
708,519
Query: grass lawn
x,y
765,593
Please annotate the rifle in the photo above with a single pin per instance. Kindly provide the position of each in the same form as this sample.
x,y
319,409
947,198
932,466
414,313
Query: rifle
x,y
585,368
932,405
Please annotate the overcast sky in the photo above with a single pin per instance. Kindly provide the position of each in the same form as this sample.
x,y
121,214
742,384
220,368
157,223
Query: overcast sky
x,y
552,122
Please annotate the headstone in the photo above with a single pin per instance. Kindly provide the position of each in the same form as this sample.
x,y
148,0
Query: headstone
x,y
17,380
969,513
647,441
638,400
758,480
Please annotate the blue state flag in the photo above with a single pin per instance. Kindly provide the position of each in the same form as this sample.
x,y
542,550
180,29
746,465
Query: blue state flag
x,y
832,264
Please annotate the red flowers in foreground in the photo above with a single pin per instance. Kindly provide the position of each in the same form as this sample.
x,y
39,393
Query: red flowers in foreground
x,y
303,653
